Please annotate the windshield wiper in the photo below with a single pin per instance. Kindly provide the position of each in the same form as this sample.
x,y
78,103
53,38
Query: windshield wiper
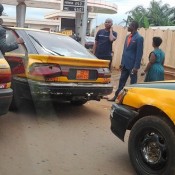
x,y
47,50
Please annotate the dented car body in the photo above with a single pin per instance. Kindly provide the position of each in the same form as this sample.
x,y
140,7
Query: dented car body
x,y
52,66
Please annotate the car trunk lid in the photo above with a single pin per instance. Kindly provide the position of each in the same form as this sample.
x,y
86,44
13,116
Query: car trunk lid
x,y
74,69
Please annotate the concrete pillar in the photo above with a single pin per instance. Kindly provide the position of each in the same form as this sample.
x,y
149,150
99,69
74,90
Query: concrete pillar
x,y
20,13
78,24
84,25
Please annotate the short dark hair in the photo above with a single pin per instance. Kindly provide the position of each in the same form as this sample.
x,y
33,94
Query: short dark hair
x,y
1,9
135,24
157,41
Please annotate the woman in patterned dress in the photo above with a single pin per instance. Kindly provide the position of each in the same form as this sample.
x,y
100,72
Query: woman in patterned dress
x,y
155,68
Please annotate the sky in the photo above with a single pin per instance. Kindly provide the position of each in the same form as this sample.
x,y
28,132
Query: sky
x,y
123,7
126,5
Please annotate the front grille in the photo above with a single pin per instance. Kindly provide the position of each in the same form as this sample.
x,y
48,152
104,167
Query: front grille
x,y
93,75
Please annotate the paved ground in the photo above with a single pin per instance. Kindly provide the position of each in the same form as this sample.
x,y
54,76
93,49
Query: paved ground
x,y
62,140
116,76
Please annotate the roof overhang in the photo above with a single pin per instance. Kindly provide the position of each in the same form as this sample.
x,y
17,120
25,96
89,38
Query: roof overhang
x,y
95,6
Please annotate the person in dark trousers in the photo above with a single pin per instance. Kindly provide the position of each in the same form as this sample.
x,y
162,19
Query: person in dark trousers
x,y
4,47
131,58
102,48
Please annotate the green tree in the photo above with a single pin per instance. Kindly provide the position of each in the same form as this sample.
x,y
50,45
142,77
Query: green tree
x,y
140,15
161,15
157,14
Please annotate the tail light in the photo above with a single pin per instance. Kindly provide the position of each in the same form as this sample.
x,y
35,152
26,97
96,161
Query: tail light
x,y
45,70
104,73
121,96
5,77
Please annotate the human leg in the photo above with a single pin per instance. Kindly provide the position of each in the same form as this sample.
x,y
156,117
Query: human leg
x,y
123,78
133,78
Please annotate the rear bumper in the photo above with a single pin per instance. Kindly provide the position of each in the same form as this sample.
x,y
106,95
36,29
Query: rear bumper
x,y
121,117
67,91
5,100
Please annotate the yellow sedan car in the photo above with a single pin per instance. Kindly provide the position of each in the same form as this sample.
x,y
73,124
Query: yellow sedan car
x,y
148,110
5,83
54,67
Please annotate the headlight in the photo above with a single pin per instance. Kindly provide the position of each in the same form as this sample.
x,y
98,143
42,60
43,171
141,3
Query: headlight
x,y
121,95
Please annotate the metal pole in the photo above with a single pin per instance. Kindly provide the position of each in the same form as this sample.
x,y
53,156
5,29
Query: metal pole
x,y
20,13
84,23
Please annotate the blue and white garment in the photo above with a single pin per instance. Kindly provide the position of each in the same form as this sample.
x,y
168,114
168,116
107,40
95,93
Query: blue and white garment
x,y
104,46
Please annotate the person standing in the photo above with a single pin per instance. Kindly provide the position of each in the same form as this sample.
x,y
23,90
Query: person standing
x,y
154,70
102,48
4,47
131,57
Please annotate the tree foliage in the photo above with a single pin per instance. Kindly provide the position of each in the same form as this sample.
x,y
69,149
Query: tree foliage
x,y
157,14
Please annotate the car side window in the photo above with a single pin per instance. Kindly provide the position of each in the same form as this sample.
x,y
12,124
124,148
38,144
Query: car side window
x,y
11,38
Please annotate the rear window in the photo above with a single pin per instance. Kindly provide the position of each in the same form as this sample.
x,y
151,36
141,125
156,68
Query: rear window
x,y
49,43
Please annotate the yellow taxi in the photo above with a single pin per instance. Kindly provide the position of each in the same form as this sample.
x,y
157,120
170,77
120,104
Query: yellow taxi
x,y
148,111
54,67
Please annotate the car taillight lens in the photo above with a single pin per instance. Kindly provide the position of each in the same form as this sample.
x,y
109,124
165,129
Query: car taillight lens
x,y
45,70
121,95
104,73
5,78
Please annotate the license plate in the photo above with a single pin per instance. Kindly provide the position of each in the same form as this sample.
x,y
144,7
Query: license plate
x,y
82,75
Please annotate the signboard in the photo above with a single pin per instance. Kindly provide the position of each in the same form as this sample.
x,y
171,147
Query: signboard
x,y
67,32
73,5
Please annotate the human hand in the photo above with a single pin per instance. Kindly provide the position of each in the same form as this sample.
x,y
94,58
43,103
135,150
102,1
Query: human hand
x,y
143,73
111,29
120,67
20,40
134,71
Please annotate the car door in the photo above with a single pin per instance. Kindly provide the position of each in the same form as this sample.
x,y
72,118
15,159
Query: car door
x,y
16,58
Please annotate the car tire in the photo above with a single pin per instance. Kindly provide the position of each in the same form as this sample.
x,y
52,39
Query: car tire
x,y
16,101
78,103
151,146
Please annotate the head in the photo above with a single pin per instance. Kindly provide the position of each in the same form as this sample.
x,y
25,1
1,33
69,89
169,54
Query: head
x,y
1,9
157,41
108,23
133,26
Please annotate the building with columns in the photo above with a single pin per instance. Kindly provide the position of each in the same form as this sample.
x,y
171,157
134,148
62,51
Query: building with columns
x,y
59,20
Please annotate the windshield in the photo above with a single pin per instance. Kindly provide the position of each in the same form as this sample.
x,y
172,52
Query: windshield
x,y
54,44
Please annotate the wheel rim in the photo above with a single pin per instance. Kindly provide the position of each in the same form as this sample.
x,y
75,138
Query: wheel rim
x,y
154,150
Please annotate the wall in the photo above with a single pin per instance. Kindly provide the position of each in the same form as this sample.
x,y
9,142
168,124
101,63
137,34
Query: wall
x,y
168,37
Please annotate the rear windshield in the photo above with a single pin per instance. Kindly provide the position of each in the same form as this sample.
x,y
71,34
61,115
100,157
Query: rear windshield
x,y
53,44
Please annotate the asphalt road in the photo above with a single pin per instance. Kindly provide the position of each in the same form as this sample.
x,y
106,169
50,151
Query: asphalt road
x,y
62,140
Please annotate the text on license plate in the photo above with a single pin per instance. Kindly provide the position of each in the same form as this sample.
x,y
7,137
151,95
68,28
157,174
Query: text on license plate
x,y
82,75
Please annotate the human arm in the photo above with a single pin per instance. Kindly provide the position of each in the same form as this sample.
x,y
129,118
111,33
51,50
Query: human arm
x,y
112,36
7,47
139,54
96,43
163,60
150,63
95,47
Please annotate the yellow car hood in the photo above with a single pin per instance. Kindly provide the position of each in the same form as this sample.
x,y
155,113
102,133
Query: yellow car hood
x,y
157,94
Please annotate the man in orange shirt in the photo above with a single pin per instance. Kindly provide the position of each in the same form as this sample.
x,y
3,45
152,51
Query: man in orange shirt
x,y
131,58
